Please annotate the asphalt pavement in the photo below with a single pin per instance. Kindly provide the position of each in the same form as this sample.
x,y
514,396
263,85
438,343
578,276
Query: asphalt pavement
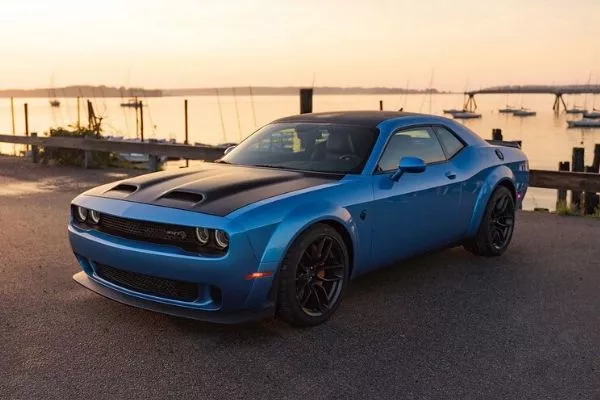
x,y
442,326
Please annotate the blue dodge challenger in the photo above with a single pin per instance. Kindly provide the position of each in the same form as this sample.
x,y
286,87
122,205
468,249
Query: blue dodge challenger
x,y
283,221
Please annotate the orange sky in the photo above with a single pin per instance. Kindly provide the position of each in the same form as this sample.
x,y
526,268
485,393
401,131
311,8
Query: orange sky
x,y
200,43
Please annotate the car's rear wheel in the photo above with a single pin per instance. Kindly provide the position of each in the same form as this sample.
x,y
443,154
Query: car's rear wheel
x,y
313,277
497,225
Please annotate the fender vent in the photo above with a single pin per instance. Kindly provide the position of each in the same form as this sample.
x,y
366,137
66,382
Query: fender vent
x,y
189,197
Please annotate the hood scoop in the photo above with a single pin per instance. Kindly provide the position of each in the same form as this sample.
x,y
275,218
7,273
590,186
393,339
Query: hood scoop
x,y
122,190
179,198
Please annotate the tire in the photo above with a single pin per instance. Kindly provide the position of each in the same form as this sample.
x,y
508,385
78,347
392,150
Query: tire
x,y
487,241
309,279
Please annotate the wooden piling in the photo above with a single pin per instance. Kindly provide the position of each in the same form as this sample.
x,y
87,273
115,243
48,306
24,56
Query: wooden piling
x,y
590,199
141,120
596,162
577,165
496,134
12,118
306,101
26,122
380,105
34,150
185,119
78,113
153,159
561,197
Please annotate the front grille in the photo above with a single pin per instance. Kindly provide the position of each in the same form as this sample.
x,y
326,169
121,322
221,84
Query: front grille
x,y
176,235
161,287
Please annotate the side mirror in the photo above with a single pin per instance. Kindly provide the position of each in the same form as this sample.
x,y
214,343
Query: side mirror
x,y
409,165
227,150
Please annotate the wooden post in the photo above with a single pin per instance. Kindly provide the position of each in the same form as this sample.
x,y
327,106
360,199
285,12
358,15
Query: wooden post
x,y
152,159
87,159
141,120
496,134
561,197
185,116
577,165
306,101
596,162
26,122
590,199
78,113
380,105
12,117
34,150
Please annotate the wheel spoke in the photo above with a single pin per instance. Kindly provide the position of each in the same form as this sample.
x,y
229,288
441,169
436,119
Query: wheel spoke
x,y
322,303
334,278
324,249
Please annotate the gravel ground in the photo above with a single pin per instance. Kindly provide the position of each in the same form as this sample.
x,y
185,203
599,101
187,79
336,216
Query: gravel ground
x,y
442,326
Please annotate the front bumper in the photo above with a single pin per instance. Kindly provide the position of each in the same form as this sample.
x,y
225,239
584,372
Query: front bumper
x,y
238,298
219,317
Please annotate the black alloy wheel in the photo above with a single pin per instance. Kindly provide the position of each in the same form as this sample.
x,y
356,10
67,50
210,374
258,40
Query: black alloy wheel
x,y
313,276
496,227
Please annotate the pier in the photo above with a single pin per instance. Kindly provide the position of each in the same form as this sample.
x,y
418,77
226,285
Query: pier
x,y
557,91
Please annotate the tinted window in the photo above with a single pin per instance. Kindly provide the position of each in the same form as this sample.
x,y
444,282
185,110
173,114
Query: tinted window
x,y
306,146
449,141
415,143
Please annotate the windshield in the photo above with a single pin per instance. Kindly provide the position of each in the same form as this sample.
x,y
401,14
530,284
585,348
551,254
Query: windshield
x,y
333,148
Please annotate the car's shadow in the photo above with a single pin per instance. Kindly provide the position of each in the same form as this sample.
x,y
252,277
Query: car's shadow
x,y
388,295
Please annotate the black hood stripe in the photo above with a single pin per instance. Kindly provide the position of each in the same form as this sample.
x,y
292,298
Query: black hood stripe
x,y
216,189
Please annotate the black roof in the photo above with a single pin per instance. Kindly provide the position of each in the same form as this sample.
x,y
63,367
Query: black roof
x,y
362,118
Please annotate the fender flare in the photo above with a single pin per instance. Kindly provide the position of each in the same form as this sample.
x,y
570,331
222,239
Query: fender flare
x,y
496,176
298,220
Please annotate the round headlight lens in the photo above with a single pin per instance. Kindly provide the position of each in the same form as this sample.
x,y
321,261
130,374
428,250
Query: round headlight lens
x,y
94,217
81,214
221,238
202,235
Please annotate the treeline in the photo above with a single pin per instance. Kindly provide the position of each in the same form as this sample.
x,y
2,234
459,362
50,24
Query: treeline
x,y
83,91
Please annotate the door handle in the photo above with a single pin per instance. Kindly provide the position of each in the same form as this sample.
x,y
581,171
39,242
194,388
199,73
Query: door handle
x,y
450,175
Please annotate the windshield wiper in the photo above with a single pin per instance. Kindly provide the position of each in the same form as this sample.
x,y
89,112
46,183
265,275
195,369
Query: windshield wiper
x,y
220,161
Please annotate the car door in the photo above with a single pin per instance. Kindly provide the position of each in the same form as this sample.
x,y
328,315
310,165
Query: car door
x,y
415,213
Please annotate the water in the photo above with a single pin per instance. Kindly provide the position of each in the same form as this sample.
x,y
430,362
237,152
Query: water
x,y
546,139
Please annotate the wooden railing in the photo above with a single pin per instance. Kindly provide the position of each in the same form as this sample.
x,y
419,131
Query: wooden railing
x,y
562,180
206,153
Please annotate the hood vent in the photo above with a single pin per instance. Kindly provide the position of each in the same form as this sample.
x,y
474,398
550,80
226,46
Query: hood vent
x,y
123,189
189,197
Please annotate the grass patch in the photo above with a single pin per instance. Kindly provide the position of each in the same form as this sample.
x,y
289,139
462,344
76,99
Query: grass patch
x,y
562,208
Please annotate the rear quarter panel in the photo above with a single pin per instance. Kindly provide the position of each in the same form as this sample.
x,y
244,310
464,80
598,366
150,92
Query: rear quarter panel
x,y
489,171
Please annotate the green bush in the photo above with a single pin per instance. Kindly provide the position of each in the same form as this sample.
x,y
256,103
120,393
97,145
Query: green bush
x,y
62,156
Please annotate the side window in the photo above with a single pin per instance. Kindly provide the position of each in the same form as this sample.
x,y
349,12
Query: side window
x,y
449,141
418,142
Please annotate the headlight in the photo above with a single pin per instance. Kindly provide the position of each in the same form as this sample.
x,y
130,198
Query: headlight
x,y
94,217
81,214
202,235
221,239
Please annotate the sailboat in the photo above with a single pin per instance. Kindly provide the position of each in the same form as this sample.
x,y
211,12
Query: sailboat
x,y
53,102
524,112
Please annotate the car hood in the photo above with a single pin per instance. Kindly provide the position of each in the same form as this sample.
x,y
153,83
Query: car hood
x,y
216,189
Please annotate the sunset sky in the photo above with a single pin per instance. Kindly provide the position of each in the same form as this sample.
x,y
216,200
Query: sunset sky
x,y
198,43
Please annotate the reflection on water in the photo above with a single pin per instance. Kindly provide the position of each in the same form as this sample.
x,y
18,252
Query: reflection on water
x,y
546,139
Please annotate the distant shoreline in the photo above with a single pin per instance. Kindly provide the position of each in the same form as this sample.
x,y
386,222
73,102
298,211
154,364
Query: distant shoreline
x,y
122,92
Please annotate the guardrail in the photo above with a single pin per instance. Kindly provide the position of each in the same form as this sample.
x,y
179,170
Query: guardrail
x,y
198,152
562,180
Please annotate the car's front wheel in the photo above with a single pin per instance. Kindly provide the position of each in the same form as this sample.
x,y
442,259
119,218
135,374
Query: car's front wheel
x,y
313,277
497,225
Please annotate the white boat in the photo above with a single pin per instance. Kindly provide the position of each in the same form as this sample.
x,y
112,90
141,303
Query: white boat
x,y
584,123
466,115
592,114
576,110
453,111
524,113
508,110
